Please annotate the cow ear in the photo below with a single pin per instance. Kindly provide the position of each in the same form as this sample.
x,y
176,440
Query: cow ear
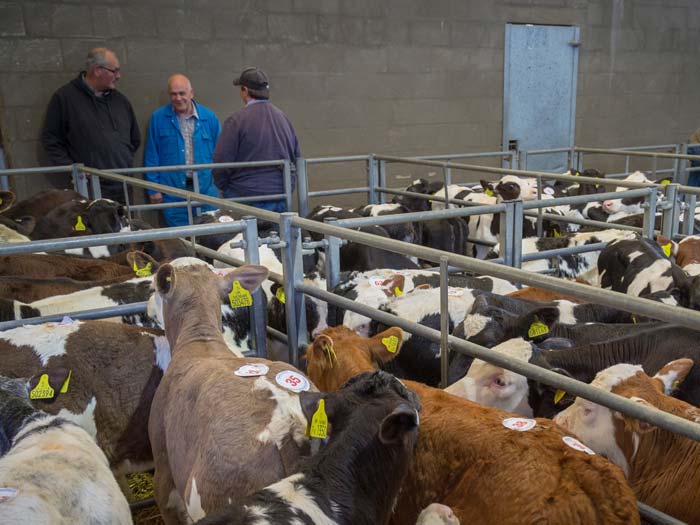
x,y
250,277
48,384
385,345
322,352
309,403
393,287
435,186
143,264
165,280
25,224
7,199
402,420
487,186
637,425
671,375
669,247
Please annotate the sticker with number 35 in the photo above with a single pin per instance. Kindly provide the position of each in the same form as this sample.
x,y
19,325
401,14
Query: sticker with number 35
x,y
293,381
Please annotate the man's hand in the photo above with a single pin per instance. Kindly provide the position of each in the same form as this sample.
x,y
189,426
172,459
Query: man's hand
x,y
156,198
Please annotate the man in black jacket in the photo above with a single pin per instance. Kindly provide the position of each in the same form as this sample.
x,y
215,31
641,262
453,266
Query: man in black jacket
x,y
89,121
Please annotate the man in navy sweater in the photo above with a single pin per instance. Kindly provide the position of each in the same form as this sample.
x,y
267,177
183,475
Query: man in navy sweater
x,y
260,131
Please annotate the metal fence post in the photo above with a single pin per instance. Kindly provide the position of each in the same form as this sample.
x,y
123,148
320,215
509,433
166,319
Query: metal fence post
x,y
382,181
649,213
676,163
689,214
332,262
195,187
444,322
540,221
372,179
517,233
506,234
96,187
522,161
293,268
80,180
259,310
447,180
287,180
683,174
671,212
302,188
513,159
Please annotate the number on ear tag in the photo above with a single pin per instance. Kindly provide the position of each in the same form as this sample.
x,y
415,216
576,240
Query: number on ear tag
x,y
42,390
391,343
537,329
319,422
239,296
143,272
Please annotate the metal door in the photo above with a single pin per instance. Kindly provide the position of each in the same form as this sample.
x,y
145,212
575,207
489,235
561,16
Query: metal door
x,y
539,91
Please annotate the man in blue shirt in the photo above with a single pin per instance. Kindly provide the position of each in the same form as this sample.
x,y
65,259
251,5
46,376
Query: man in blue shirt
x,y
260,131
182,132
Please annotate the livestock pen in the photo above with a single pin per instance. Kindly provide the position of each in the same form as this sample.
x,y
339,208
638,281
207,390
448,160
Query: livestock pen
x,y
291,242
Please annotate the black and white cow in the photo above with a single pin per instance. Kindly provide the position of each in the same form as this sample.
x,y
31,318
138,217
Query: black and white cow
x,y
651,348
373,412
51,470
405,231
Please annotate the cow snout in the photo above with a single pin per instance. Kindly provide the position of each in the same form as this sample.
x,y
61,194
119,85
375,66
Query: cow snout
x,y
609,206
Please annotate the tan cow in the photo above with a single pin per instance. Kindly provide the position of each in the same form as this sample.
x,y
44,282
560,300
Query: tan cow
x,y
217,436
467,458
662,467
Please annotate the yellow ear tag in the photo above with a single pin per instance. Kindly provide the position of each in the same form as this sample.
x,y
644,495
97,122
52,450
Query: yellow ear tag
x,y
64,388
556,233
280,295
239,296
665,182
330,353
634,319
667,249
79,226
168,279
537,329
391,343
143,272
398,292
319,422
0,201
42,390
676,384
558,396
489,192
597,186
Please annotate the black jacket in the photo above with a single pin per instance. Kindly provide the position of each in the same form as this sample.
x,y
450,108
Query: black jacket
x,y
100,132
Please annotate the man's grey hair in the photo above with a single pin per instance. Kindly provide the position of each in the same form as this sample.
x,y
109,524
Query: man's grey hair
x,y
96,57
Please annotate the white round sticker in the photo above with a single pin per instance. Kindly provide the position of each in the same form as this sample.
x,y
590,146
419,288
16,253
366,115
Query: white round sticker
x,y
225,218
456,292
7,494
252,370
292,381
376,281
519,423
577,445
548,190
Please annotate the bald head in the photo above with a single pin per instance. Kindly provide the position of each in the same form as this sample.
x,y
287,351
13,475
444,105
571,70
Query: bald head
x,y
181,94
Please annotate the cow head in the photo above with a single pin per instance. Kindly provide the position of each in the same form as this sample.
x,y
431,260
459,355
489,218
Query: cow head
x,y
105,216
629,206
189,297
611,433
372,412
511,188
338,354
418,186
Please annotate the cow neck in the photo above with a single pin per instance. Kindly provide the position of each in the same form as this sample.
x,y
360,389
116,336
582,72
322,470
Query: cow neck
x,y
190,328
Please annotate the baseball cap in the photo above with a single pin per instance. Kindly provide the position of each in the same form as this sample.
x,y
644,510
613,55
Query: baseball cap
x,y
253,78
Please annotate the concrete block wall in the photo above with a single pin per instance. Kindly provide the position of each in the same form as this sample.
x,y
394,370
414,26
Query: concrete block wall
x,y
358,76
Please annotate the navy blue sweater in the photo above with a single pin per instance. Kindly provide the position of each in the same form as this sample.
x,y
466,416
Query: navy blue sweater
x,y
259,131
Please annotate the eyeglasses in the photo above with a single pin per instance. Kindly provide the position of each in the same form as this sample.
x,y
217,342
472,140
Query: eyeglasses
x,y
113,71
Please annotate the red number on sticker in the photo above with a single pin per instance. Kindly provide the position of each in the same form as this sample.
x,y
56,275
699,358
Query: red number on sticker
x,y
294,381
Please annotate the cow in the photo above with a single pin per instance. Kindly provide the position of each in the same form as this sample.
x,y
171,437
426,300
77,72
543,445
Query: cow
x,y
466,458
114,372
405,231
650,348
581,266
51,470
255,424
45,266
82,217
641,268
661,466
376,287
423,186
11,229
374,412
41,203
533,293
420,360
688,255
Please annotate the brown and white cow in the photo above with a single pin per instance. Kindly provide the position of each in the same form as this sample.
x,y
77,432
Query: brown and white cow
x,y
44,266
687,254
662,467
470,458
218,436
114,372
